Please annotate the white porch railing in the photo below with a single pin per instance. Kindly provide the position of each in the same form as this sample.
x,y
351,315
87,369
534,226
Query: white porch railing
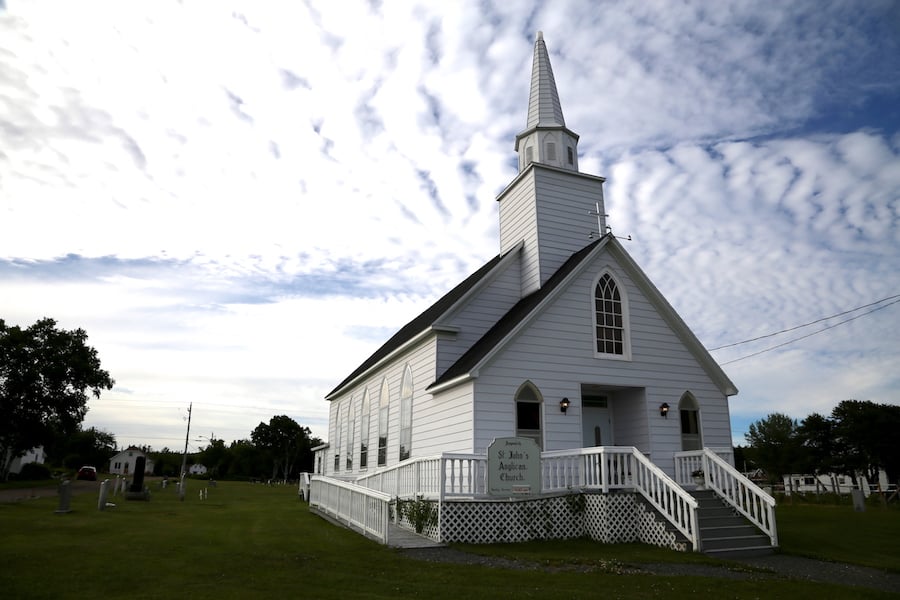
x,y
602,468
611,467
362,508
736,489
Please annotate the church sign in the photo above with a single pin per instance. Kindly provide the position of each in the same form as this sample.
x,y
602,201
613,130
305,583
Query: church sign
x,y
514,467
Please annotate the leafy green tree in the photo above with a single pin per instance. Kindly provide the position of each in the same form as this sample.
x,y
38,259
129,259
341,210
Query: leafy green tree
x,y
46,374
90,446
866,433
214,457
166,462
245,459
774,445
286,442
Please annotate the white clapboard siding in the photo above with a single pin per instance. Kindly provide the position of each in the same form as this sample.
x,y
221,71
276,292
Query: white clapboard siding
x,y
479,314
566,200
556,352
549,209
421,360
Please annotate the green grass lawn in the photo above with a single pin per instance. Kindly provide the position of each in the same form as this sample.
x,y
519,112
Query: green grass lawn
x,y
253,541
838,533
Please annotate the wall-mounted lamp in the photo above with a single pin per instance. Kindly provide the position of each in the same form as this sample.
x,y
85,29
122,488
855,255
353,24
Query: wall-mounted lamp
x,y
564,405
664,410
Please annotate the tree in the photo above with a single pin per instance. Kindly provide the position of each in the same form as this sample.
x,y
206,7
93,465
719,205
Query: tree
x,y
214,457
90,446
45,376
774,446
285,440
820,450
866,434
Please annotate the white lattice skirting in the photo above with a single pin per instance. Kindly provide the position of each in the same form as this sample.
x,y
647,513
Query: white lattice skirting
x,y
609,518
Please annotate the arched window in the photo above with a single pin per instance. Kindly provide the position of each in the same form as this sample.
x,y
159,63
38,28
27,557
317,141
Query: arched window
x,y
528,413
689,412
364,431
610,318
338,426
351,433
406,398
384,405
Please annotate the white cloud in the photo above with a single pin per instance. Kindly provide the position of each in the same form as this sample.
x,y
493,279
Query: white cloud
x,y
248,188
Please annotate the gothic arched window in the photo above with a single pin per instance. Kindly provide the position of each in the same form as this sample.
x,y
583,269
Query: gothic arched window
x,y
406,399
610,318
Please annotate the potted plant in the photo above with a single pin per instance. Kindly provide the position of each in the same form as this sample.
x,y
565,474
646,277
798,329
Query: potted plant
x,y
698,477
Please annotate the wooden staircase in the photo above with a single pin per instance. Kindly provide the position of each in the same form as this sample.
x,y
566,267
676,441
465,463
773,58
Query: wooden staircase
x,y
724,533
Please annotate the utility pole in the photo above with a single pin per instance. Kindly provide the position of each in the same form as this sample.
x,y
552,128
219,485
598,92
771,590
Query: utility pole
x,y
184,455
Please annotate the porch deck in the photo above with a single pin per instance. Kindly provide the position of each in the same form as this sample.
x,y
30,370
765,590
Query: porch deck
x,y
599,492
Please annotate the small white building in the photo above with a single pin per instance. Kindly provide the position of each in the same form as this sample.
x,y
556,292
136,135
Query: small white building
x,y
197,469
124,462
34,455
833,483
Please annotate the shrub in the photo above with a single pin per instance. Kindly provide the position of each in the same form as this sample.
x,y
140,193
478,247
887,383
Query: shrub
x,y
34,472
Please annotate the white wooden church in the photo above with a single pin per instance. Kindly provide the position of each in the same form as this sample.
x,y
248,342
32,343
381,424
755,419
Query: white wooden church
x,y
560,340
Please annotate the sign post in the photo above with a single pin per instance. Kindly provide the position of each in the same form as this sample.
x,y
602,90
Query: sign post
x,y
514,467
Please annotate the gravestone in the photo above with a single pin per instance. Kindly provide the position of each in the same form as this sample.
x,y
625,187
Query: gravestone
x,y
859,500
104,492
137,491
137,485
65,497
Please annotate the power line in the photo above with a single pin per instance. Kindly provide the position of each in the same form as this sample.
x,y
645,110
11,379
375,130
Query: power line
x,y
803,337
840,314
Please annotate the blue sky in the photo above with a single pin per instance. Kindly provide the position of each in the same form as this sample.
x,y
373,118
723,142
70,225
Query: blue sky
x,y
240,202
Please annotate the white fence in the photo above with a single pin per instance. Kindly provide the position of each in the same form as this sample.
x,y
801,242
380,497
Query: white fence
x,y
607,468
736,489
603,468
364,509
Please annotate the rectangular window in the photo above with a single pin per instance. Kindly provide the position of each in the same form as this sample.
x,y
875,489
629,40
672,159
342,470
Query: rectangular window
x,y
571,155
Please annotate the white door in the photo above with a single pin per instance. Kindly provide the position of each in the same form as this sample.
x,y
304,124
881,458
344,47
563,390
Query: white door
x,y
596,426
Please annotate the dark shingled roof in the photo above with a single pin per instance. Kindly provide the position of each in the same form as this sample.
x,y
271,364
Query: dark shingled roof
x,y
420,323
514,316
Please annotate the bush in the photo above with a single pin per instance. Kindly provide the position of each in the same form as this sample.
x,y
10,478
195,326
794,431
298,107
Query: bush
x,y
34,472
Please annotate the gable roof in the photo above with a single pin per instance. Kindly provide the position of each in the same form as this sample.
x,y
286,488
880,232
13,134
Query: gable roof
x,y
517,314
527,308
420,324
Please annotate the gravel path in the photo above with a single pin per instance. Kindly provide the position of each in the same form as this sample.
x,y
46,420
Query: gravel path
x,y
765,568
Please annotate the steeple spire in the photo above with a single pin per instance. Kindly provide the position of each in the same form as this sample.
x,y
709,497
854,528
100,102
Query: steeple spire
x,y
546,138
544,109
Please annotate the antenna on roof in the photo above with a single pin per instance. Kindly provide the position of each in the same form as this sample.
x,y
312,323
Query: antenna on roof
x,y
600,216
600,227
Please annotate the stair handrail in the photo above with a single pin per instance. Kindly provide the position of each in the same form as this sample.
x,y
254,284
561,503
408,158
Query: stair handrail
x,y
741,493
665,495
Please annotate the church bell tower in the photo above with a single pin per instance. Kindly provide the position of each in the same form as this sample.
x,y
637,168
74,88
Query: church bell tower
x,y
550,206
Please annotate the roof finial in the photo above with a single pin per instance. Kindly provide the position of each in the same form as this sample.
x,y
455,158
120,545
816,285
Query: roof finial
x,y
540,36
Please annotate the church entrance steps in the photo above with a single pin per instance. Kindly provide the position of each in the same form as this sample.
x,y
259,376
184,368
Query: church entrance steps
x,y
724,533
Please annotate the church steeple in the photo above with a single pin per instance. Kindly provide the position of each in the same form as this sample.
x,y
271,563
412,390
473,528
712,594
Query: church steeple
x,y
546,139
551,209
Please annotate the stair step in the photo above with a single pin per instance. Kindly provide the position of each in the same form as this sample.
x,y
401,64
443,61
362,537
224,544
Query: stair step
x,y
722,521
723,532
741,552
740,530
733,542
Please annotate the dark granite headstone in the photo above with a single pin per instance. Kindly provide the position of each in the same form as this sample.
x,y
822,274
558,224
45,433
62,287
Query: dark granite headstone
x,y
137,485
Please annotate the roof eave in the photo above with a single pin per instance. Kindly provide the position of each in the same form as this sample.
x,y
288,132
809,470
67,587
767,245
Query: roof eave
x,y
413,341
697,349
